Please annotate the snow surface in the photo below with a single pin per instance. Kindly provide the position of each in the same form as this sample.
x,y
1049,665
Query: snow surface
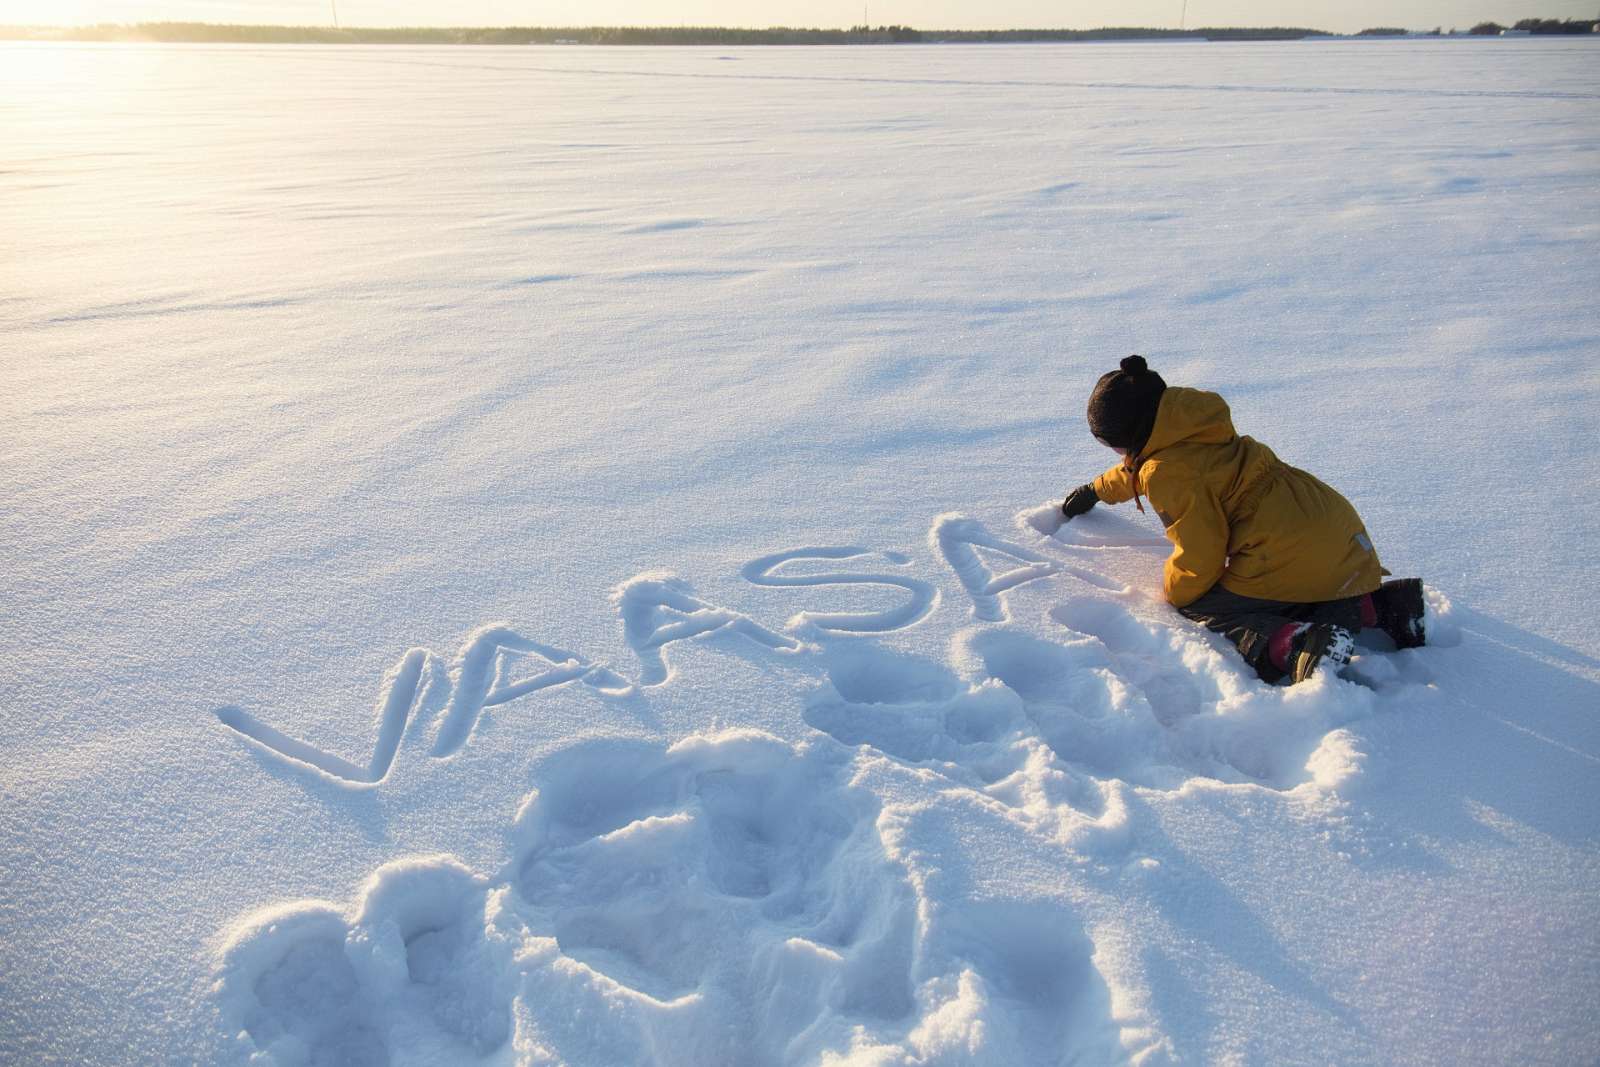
x,y
548,555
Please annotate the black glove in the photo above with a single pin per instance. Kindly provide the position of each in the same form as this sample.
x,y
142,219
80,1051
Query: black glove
x,y
1079,501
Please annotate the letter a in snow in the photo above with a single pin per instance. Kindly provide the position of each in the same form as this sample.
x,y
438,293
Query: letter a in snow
x,y
658,608
958,540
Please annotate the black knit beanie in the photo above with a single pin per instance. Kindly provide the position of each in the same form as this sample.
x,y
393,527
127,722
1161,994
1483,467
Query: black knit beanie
x,y
1122,408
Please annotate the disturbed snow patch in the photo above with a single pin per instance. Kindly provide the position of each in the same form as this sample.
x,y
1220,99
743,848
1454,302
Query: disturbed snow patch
x,y
735,898
731,899
419,964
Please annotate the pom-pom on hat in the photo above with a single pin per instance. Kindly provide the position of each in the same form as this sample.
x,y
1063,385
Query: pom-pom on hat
x,y
1122,408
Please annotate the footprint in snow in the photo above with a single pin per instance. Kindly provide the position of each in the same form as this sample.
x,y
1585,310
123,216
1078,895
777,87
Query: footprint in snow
x,y
916,710
735,899
414,974
1076,700
1146,655
726,878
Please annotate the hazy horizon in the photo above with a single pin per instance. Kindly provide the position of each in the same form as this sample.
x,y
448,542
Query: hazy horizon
x,y
931,14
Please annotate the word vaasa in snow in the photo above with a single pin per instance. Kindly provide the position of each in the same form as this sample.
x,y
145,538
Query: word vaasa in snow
x,y
658,609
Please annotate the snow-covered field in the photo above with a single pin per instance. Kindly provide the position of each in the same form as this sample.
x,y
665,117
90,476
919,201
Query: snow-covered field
x,y
548,555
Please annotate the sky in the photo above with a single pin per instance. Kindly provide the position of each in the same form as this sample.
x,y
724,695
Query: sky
x,y
1340,16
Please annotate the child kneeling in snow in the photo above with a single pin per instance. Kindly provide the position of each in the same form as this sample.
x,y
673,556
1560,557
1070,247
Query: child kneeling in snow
x,y
1263,553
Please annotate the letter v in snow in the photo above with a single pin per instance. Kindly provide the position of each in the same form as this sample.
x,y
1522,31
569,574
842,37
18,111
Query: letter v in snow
x,y
958,539
403,685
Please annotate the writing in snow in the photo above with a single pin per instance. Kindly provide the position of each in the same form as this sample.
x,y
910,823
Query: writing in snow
x,y
658,609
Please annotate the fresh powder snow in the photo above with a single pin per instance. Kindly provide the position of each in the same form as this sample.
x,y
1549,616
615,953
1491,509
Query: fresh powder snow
x,y
552,555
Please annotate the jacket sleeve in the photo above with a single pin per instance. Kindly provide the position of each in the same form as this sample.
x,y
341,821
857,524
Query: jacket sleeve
x,y
1198,529
1115,486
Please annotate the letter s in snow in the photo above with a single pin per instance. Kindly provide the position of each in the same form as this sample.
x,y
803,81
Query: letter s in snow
x,y
924,595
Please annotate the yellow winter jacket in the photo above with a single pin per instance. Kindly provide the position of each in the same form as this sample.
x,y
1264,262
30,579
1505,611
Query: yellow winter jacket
x,y
1237,514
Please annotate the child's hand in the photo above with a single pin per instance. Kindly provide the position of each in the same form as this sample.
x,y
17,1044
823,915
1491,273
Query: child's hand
x,y
1079,501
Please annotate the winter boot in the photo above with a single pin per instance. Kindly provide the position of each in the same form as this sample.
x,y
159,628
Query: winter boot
x,y
1399,610
1300,648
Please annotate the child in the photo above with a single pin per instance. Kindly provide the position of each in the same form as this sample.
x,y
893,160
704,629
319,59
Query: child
x,y
1263,553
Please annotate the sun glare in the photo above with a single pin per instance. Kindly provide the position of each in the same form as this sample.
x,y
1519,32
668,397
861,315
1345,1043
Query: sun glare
x,y
43,13
89,12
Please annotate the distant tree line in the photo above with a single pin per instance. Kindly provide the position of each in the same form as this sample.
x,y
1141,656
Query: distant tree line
x,y
896,34
202,32
1125,33
211,33
1490,29
1537,26
1555,25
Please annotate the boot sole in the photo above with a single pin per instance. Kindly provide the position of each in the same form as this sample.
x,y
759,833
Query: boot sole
x,y
1322,643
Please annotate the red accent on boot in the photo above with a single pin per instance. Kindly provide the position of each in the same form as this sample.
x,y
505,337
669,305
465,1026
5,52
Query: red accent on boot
x,y
1282,639
1369,611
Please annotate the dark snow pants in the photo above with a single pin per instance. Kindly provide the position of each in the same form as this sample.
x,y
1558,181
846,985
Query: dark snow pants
x,y
1250,623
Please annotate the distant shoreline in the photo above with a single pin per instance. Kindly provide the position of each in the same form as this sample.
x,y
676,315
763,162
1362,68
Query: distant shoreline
x,y
214,33
722,36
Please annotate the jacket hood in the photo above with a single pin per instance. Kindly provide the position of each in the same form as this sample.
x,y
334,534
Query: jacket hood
x,y
1191,415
